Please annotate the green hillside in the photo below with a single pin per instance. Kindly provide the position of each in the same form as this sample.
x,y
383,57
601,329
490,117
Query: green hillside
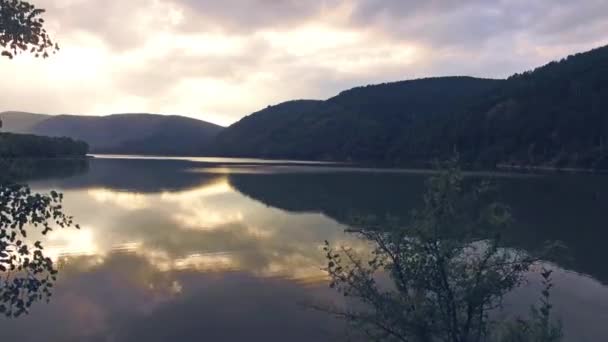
x,y
555,115
360,124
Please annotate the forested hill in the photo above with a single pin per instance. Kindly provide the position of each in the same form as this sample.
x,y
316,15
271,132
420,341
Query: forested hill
x,y
121,133
359,124
556,115
32,146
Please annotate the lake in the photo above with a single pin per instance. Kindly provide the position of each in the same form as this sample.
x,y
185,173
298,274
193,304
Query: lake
x,y
204,249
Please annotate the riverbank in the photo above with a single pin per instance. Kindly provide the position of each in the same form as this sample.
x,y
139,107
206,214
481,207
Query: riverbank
x,y
548,169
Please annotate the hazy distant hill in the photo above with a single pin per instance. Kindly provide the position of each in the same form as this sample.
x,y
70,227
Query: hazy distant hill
x,y
20,122
121,133
556,115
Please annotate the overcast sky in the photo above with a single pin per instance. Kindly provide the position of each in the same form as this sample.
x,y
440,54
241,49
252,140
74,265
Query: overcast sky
x,y
219,60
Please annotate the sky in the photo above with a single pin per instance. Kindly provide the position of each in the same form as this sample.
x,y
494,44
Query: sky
x,y
221,60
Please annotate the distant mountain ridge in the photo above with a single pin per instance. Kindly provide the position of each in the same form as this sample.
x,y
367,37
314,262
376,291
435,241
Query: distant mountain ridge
x,y
121,133
555,116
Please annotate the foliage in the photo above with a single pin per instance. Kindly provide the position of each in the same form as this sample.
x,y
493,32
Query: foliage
x,y
26,275
448,268
22,30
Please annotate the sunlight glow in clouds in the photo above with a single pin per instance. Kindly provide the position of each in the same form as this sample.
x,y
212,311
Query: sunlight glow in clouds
x,y
219,61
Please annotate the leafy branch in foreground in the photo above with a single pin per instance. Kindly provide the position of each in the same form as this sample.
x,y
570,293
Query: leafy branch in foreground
x,y
22,30
447,270
26,275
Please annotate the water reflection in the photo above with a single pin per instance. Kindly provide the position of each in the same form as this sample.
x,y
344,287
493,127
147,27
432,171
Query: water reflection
x,y
16,170
557,208
211,227
126,298
168,252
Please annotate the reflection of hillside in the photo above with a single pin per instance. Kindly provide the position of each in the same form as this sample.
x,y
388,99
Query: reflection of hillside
x,y
337,195
35,169
142,176
565,208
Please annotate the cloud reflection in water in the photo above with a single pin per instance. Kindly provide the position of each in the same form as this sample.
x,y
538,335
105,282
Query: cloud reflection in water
x,y
208,228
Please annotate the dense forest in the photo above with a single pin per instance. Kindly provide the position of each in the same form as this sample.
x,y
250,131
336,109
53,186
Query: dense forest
x,y
32,146
359,124
554,116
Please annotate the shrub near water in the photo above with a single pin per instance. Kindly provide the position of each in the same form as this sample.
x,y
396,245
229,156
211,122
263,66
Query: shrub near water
x,y
448,270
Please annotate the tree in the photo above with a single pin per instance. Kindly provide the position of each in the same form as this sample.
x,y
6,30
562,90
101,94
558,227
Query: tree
x,y
26,275
448,270
22,30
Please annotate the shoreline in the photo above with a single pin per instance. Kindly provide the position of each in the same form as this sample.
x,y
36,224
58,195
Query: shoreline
x,y
509,168
550,169
86,157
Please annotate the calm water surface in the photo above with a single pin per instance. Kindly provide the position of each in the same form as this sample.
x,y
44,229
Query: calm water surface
x,y
230,250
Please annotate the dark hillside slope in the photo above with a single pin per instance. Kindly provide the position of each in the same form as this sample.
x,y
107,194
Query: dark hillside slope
x,y
555,115
359,124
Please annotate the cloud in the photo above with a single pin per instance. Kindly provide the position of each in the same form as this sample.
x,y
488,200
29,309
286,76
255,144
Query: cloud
x,y
221,60
119,24
475,22
252,15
